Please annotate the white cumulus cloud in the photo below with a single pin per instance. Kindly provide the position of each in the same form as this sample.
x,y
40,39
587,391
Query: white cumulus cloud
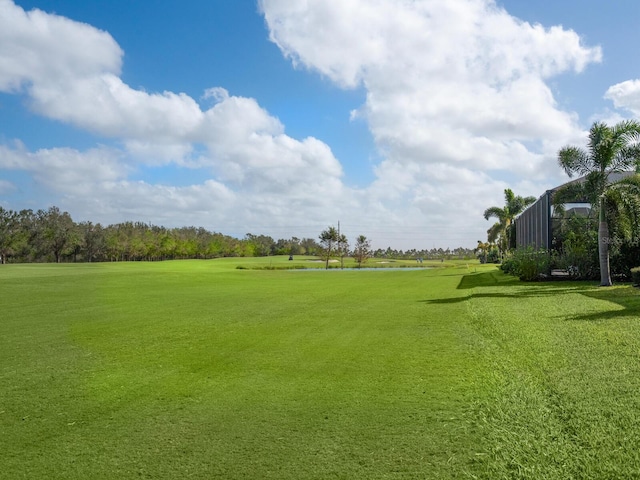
x,y
457,97
457,101
625,95
251,169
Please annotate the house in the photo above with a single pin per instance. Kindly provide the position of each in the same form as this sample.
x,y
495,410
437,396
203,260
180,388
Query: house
x,y
535,226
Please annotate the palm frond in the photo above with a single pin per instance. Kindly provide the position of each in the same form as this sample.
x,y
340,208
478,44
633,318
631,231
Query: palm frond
x,y
518,204
615,148
496,212
595,184
509,196
570,193
623,204
601,143
626,132
494,232
630,182
574,161
626,158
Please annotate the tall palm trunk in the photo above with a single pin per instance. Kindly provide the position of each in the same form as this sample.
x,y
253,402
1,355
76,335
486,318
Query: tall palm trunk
x,y
603,247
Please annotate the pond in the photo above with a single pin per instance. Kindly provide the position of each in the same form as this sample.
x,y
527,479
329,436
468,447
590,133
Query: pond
x,y
364,269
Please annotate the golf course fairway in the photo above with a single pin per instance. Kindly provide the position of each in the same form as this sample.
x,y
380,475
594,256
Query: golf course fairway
x,y
201,369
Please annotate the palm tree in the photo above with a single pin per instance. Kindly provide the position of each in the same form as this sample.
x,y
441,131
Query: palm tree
x,y
610,152
500,231
482,251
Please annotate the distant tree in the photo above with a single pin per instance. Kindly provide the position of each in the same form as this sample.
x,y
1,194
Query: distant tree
x,y
57,233
263,244
290,246
610,150
362,250
26,244
93,240
167,244
9,231
295,246
218,245
283,246
187,242
328,239
482,251
48,235
203,237
342,248
308,246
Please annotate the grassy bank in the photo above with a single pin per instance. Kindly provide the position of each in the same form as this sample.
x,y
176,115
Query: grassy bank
x,y
565,379
199,370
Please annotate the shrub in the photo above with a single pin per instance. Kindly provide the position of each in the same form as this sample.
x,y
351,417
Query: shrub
x,y
635,276
579,260
623,257
509,266
493,256
529,264
577,246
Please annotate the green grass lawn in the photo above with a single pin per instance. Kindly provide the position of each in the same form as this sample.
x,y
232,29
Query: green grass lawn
x,y
197,369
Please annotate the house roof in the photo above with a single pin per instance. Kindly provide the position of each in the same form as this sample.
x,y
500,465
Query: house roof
x,y
613,177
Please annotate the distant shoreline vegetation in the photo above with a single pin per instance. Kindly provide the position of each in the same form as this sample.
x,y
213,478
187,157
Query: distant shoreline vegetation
x,y
53,236
350,268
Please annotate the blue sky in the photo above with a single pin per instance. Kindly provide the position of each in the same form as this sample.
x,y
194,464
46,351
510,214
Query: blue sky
x,y
402,120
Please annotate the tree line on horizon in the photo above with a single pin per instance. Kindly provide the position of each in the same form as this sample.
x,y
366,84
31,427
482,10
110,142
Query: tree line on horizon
x,y
53,236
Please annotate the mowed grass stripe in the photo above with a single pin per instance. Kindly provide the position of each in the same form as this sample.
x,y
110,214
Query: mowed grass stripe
x,y
199,370
566,370
191,368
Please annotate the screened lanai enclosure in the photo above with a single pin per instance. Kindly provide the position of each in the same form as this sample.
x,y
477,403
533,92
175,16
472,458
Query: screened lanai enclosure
x,y
540,223
537,226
